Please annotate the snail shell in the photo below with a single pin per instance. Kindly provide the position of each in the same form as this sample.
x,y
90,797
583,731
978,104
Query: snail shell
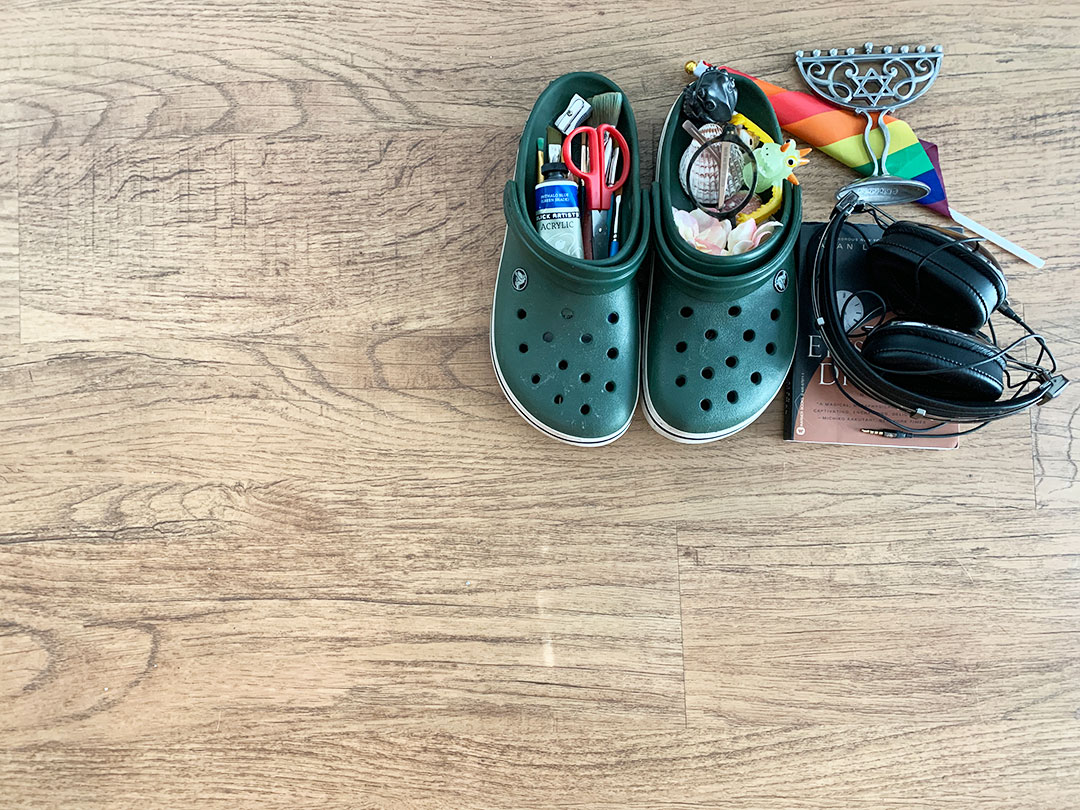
x,y
705,178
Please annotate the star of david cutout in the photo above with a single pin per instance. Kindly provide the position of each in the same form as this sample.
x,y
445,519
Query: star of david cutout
x,y
873,86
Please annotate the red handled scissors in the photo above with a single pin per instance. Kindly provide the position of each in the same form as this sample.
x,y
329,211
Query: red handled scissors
x,y
598,186
597,190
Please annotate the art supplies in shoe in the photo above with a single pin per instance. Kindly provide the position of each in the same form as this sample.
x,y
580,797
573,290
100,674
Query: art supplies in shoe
x,y
598,187
599,168
565,330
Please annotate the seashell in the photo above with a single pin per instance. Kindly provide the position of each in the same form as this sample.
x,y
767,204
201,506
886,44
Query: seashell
x,y
765,231
705,180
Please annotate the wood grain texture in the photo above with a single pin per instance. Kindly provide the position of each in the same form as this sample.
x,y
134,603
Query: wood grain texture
x,y
969,620
270,535
9,248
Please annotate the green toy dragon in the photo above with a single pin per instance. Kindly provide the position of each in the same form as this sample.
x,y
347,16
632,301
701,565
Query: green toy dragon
x,y
775,163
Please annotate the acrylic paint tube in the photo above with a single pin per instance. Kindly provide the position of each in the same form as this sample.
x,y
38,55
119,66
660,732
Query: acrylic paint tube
x,y
558,219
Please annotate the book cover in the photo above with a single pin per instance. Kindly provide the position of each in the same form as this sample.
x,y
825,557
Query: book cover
x,y
814,409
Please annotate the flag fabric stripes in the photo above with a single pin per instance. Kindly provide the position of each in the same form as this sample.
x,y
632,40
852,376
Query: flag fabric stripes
x,y
839,134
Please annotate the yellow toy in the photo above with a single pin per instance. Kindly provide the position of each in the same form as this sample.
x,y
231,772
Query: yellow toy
x,y
741,120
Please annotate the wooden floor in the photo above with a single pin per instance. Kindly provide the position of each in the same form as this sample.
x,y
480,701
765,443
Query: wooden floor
x,y
273,538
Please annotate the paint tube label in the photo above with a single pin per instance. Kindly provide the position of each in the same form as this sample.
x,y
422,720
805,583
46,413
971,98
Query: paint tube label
x,y
558,219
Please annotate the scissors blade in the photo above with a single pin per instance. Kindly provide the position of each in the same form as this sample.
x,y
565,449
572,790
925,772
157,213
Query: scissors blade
x,y
601,234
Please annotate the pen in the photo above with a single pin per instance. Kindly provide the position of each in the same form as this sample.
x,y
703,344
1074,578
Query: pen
x,y
615,225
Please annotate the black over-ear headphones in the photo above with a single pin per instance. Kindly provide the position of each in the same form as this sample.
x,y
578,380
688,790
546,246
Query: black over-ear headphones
x,y
930,358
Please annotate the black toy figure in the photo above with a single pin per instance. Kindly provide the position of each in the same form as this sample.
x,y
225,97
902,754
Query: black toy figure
x,y
711,98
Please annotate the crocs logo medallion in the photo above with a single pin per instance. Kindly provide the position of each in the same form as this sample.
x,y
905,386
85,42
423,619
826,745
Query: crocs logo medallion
x,y
520,279
780,280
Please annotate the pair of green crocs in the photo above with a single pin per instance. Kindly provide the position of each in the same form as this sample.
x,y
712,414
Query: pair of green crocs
x,y
570,340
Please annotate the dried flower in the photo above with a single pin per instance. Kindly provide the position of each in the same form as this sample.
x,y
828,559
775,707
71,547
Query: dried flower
x,y
717,237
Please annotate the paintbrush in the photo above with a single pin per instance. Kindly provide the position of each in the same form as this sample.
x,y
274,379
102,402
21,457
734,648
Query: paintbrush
x,y
554,145
606,109
613,212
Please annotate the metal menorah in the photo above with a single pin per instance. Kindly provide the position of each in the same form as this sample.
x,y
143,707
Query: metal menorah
x,y
869,83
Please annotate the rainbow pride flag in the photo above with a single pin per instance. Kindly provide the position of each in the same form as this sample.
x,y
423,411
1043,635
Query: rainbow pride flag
x,y
839,134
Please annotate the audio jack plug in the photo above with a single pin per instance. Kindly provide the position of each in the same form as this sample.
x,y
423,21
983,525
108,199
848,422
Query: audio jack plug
x,y
888,434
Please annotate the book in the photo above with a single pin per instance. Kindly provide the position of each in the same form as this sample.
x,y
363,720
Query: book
x,y
815,410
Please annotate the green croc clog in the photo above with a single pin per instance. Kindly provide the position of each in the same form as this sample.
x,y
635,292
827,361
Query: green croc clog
x,y
565,332
720,331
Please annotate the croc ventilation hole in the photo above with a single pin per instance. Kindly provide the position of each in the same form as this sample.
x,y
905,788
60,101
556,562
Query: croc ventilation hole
x,y
585,377
521,314
524,347
708,373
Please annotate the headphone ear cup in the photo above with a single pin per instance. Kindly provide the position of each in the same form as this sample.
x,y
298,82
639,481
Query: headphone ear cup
x,y
904,346
955,287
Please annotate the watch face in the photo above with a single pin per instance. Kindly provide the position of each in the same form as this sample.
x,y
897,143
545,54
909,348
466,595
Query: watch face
x,y
855,309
